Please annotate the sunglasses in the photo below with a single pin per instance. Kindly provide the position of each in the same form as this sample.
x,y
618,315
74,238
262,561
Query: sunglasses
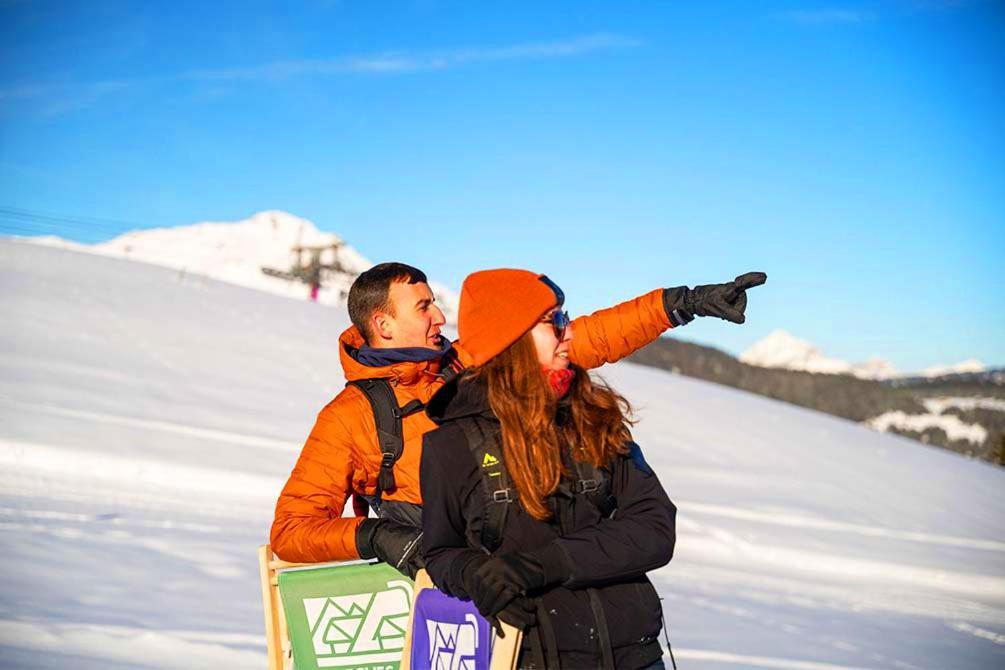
x,y
559,320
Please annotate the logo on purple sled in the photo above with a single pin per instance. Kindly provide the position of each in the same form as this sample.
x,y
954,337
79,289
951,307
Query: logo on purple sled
x,y
449,634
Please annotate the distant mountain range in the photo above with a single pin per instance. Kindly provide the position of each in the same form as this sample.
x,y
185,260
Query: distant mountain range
x,y
962,411
782,350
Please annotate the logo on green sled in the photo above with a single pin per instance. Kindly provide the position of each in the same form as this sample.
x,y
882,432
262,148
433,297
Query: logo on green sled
x,y
362,631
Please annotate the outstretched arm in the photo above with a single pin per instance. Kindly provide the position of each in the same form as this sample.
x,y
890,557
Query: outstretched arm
x,y
608,335
611,334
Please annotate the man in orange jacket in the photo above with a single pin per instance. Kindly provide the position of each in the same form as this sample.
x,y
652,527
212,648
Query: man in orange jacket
x,y
396,336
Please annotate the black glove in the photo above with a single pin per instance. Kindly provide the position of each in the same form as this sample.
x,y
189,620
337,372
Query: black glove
x,y
727,301
396,544
501,579
468,575
520,613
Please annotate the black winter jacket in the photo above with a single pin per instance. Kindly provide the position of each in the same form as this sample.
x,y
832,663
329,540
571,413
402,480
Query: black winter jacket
x,y
603,560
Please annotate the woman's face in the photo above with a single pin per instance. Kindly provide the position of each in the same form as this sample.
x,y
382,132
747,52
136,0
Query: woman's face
x,y
552,353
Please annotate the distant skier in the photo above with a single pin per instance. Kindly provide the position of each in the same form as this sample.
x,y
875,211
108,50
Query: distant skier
x,y
533,462
314,279
393,355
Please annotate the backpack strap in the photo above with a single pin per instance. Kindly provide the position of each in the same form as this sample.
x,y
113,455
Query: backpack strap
x,y
486,448
603,632
595,484
387,416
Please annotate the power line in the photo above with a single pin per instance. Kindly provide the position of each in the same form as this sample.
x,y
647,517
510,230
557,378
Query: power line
x,y
18,224
27,213
19,221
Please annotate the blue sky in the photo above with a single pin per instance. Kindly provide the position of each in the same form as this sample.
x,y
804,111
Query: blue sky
x,y
853,151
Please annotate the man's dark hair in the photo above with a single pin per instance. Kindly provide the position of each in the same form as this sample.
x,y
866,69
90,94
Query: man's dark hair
x,y
369,293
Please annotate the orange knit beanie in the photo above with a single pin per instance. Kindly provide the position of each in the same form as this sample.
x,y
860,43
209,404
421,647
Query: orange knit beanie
x,y
497,308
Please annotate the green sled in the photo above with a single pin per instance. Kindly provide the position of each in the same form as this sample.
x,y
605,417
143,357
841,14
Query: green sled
x,y
349,617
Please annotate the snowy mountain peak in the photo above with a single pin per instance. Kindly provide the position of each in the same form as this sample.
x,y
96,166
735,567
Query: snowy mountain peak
x,y
226,250
875,368
236,252
781,349
969,365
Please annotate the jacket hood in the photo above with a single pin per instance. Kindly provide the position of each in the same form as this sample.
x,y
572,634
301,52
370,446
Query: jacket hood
x,y
406,372
459,397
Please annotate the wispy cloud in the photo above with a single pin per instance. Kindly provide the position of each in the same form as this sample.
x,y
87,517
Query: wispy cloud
x,y
825,16
55,98
402,62
839,15
943,5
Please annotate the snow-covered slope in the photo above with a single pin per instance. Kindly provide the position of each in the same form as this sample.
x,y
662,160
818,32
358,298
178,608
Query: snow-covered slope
x,y
148,421
236,252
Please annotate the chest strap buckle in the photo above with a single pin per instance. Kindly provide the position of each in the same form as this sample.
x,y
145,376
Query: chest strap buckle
x,y
501,496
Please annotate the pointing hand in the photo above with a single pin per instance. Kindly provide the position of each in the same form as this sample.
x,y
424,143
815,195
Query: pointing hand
x,y
726,301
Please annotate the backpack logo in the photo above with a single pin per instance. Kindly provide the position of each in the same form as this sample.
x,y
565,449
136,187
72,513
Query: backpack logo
x,y
362,631
489,461
452,646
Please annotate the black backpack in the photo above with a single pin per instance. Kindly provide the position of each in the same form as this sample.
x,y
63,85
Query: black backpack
x,y
593,483
486,447
387,416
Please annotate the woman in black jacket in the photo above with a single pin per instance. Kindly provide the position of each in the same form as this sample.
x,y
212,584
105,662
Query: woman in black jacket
x,y
537,505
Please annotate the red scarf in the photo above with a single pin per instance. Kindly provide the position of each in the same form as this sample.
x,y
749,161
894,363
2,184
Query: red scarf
x,y
559,380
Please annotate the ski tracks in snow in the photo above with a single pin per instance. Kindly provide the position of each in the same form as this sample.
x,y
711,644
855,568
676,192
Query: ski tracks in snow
x,y
35,469
780,518
856,582
161,426
194,650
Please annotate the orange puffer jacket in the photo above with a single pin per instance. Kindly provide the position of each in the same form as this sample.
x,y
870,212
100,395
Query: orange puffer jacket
x,y
341,456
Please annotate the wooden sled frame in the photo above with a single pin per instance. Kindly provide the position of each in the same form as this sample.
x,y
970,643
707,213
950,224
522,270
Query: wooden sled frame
x,y
277,636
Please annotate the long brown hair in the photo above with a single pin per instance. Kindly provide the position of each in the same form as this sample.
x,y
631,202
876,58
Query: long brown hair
x,y
594,422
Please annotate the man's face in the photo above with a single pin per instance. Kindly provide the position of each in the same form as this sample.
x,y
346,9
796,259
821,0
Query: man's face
x,y
415,321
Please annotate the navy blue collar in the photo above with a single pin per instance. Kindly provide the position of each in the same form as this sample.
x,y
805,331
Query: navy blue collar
x,y
379,358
